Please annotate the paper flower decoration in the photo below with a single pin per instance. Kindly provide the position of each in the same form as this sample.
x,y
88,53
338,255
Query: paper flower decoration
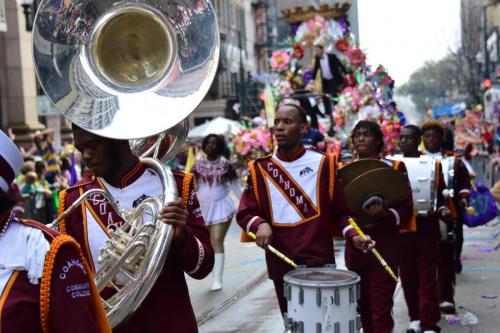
x,y
298,51
356,56
256,142
342,45
280,60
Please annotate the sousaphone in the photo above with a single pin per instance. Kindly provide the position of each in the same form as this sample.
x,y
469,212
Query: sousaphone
x,y
129,70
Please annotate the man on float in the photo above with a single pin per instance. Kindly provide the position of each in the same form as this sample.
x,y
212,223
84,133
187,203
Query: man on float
x,y
293,200
419,250
113,168
45,284
433,133
377,287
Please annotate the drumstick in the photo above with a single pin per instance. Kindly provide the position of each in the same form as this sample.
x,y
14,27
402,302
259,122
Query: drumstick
x,y
276,252
374,251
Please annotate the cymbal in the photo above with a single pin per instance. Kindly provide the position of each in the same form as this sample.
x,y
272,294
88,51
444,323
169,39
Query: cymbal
x,y
353,170
387,183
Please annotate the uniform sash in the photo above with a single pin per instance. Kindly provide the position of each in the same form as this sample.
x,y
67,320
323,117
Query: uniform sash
x,y
101,209
294,194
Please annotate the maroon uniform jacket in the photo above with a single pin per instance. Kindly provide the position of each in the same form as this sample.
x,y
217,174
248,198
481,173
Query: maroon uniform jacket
x,y
385,233
64,298
303,202
167,308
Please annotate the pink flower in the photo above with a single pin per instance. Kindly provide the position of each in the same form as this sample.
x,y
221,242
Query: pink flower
x,y
280,60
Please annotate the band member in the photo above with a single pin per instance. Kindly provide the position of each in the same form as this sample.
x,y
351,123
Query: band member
x,y
216,177
377,287
45,284
115,169
419,250
433,134
331,69
293,200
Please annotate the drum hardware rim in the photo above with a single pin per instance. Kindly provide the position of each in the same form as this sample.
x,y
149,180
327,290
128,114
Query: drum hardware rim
x,y
318,296
336,296
351,295
288,291
289,280
358,322
301,295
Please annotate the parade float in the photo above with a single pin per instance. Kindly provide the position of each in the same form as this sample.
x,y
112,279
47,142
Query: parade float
x,y
366,92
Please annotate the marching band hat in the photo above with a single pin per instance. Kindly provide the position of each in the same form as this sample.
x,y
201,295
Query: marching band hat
x,y
11,161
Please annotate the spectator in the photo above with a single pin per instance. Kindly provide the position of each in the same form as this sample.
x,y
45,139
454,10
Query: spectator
x,y
45,149
312,137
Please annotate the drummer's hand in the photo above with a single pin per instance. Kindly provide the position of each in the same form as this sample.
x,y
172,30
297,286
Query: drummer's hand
x,y
264,235
176,214
445,215
364,244
464,203
375,210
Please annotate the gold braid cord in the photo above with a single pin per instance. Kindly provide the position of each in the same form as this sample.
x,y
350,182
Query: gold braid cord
x,y
62,203
331,179
46,281
253,173
186,186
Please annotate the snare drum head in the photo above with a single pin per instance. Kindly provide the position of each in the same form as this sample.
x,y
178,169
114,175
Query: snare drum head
x,y
321,276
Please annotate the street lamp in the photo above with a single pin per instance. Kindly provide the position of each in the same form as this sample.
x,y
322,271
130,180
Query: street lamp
x,y
29,10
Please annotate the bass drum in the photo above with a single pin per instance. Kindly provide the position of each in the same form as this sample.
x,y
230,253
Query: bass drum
x,y
422,175
322,299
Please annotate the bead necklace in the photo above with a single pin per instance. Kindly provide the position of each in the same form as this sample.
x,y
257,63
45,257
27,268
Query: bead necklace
x,y
7,223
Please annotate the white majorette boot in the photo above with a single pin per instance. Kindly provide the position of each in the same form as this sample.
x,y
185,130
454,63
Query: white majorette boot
x,y
414,327
217,272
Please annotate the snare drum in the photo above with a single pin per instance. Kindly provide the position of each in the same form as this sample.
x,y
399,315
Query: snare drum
x,y
422,175
322,300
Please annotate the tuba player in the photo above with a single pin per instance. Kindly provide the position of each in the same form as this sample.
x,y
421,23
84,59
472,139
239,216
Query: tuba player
x,y
113,168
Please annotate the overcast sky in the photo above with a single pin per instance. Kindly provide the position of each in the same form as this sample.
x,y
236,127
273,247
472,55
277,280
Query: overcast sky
x,y
403,34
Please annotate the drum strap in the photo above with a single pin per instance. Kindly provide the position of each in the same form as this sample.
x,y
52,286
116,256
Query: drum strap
x,y
411,225
436,176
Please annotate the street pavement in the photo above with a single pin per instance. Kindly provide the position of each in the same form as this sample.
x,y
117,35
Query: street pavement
x,y
247,302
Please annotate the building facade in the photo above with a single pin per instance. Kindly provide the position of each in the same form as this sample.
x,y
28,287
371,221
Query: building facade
x,y
18,88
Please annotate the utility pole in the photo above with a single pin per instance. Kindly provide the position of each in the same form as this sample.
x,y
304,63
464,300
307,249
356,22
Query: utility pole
x,y
484,15
272,26
242,83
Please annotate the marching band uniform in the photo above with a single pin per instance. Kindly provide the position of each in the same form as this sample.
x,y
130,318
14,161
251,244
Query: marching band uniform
x,y
90,225
447,250
45,284
302,200
377,287
418,264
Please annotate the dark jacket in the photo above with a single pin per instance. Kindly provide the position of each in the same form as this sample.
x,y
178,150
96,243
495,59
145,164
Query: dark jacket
x,y
336,68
